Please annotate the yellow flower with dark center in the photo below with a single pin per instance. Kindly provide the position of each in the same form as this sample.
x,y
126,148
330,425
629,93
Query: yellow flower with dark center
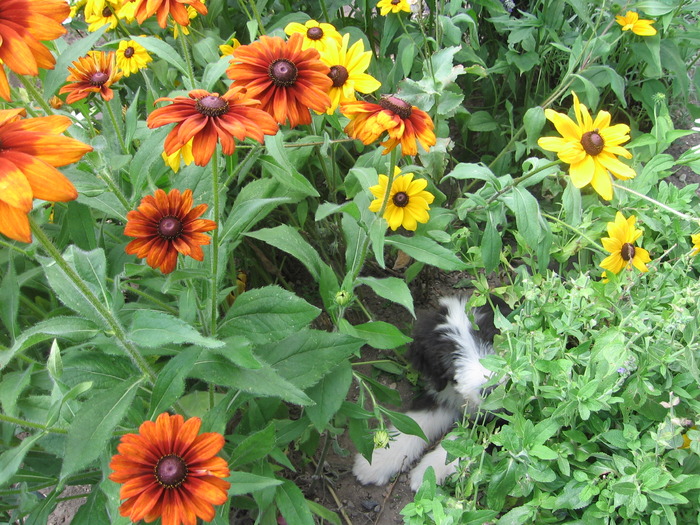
x,y
632,22
590,147
408,202
393,6
316,34
108,15
170,471
405,124
696,244
127,11
620,244
132,57
347,72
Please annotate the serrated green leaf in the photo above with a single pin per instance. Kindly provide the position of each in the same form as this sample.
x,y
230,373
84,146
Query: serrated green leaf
x,y
427,251
154,329
170,384
246,483
255,446
292,504
391,288
329,394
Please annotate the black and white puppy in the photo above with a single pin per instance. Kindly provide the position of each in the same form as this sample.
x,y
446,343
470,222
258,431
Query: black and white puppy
x,y
446,351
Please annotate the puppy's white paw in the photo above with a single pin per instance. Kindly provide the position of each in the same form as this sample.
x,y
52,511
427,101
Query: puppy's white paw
x,y
380,471
435,459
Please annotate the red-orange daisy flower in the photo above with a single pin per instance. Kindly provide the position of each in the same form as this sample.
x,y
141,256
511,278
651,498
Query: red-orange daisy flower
x,y
29,153
161,8
405,124
93,73
165,225
206,116
169,470
286,79
23,25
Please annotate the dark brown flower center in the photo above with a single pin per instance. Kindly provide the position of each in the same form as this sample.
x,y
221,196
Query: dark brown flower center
x,y
314,33
211,106
171,471
592,142
400,199
395,2
98,78
129,52
106,12
395,104
627,252
282,72
169,227
339,76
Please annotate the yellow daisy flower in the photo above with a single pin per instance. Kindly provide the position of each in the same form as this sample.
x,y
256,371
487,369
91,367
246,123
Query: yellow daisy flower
x,y
132,57
127,11
620,244
632,22
393,6
228,49
696,244
316,34
184,154
408,202
591,147
348,68
98,19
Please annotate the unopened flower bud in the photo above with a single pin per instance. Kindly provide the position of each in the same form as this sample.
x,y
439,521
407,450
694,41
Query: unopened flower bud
x,y
381,438
342,298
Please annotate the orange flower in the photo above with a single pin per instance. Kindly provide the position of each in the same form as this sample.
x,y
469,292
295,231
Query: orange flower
x,y
165,225
286,79
176,8
31,149
208,116
23,25
93,73
405,124
169,470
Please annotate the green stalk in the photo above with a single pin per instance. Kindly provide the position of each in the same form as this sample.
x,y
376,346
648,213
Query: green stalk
x,y
254,6
107,178
105,313
118,131
593,243
34,93
215,245
30,424
188,58
682,215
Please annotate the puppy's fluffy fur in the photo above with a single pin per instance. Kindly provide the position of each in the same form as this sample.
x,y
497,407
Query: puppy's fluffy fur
x,y
446,351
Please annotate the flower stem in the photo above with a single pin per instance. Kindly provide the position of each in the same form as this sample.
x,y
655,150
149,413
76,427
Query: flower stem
x,y
215,245
30,424
254,6
32,90
107,178
593,243
117,130
104,312
188,58
657,203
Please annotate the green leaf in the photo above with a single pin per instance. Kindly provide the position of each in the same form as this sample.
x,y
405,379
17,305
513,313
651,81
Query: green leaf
x,y
377,334
244,215
288,177
214,72
427,251
154,329
57,76
92,427
246,483
469,171
527,214
491,244
543,452
323,513
404,423
267,314
292,504
54,365
391,288
534,121
255,446
163,50
9,307
665,497
329,394
289,240
170,384
72,328
12,459
93,510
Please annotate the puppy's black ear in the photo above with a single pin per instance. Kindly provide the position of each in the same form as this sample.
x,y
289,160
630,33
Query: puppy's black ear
x,y
484,318
427,349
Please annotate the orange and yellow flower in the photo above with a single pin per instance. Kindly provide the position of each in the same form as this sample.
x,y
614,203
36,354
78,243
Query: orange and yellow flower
x,y
631,22
170,471
620,244
31,150
162,8
165,225
348,68
316,34
207,117
93,73
286,79
405,124
408,202
24,24
591,147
